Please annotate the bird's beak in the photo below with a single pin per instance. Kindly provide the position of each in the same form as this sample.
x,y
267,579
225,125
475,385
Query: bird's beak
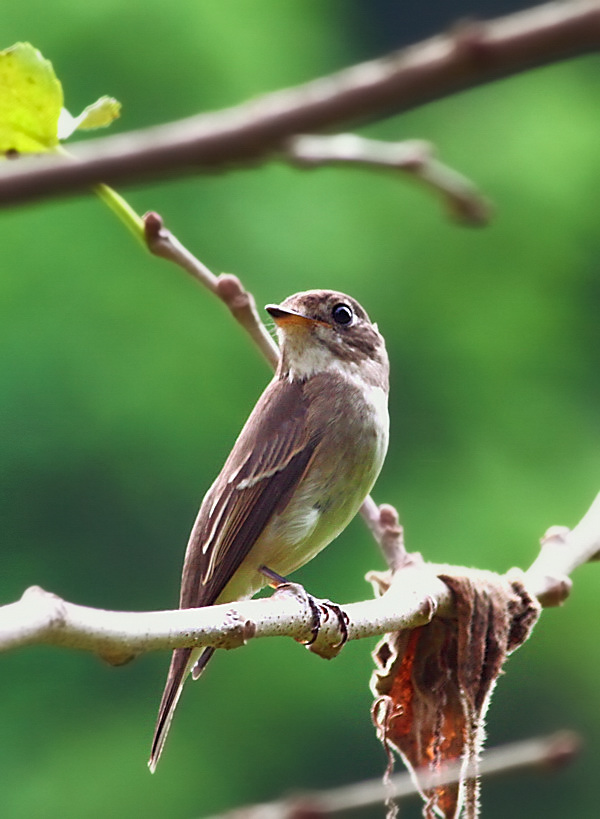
x,y
285,317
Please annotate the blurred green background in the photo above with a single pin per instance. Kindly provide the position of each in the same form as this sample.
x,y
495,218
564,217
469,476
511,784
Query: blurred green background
x,y
123,386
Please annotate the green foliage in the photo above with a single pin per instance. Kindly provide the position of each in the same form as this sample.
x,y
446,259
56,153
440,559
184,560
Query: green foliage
x,y
33,120
30,101
32,117
123,385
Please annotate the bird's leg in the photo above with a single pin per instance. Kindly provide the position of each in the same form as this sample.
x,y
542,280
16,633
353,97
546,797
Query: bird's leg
x,y
319,608
275,580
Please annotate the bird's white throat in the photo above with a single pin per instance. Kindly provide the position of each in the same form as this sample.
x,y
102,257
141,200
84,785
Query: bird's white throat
x,y
307,357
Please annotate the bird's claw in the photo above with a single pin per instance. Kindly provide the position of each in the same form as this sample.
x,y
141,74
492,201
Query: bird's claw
x,y
320,612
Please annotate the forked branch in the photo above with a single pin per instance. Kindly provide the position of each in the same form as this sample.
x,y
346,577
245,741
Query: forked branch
x,y
415,596
259,130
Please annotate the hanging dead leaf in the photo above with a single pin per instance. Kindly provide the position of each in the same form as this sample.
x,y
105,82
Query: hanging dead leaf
x,y
433,684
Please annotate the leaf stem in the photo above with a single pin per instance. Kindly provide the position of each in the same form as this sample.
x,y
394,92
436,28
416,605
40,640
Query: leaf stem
x,y
119,206
123,210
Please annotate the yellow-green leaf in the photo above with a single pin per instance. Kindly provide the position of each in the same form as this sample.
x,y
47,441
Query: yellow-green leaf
x,y
97,115
31,99
32,117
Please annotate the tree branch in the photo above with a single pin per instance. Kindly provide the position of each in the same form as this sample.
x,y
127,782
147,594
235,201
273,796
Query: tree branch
x,y
229,289
414,597
414,158
161,242
255,131
545,753
562,551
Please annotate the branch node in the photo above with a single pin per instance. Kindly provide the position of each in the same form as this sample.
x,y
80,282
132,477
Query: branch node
x,y
237,630
429,608
556,592
384,523
562,748
116,658
49,606
557,585
471,42
557,534
153,226
232,292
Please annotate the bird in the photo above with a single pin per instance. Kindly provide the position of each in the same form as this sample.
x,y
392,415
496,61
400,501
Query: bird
x,y
307,457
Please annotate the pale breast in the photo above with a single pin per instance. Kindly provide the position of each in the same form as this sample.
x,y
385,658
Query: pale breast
x,y
355,427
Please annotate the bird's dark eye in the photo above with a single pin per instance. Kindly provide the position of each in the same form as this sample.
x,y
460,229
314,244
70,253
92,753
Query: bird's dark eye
x,y
342,314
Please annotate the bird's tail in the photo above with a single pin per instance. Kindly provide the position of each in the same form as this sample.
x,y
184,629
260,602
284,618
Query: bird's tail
x,y
182,661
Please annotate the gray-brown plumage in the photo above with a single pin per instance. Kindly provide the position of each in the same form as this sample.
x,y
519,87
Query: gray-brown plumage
x,y
304,462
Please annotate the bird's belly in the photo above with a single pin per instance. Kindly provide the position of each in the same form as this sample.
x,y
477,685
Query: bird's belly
x,y
321,507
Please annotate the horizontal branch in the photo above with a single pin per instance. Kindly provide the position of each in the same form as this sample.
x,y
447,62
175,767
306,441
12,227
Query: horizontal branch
x,y
41,617
472,55
415,596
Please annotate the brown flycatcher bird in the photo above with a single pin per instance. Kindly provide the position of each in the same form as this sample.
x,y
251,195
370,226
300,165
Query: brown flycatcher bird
x,y
299,471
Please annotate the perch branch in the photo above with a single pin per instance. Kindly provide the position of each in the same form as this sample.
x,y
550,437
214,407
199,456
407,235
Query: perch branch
x,y
255,131
415,596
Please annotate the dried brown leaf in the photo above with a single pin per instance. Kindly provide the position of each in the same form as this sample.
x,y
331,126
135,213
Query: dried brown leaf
x,y
433,683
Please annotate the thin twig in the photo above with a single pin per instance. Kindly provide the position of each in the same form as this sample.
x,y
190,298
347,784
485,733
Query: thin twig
x,y
562,551
258,130
543,753
161,242
383,523
414,157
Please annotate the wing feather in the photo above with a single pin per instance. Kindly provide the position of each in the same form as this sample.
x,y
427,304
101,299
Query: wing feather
x,y
266,464
268,460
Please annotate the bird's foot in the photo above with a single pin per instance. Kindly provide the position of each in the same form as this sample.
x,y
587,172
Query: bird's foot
x,y
321,640
321,610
